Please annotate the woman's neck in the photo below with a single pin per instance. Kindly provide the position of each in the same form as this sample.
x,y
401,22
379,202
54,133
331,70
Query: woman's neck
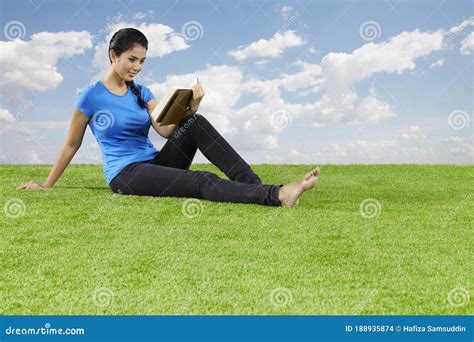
x,y
114,80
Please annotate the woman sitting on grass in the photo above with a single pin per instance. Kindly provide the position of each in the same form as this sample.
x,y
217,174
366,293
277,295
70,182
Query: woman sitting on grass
x,y
118,113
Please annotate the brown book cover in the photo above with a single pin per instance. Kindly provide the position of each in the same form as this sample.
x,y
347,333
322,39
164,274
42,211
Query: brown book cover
x,y
172,107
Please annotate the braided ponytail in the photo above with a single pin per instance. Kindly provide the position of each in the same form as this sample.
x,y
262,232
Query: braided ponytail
x,y
135,90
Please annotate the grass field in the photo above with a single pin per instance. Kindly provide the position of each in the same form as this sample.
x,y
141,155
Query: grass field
x,y
371,239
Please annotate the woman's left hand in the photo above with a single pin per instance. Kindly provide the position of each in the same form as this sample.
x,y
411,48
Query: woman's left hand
x,y
198,94
31,185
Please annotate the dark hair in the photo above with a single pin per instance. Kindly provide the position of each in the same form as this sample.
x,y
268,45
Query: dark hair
x,y
123,40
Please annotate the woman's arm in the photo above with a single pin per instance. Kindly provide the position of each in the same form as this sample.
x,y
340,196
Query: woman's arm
x,y
164,131
70,147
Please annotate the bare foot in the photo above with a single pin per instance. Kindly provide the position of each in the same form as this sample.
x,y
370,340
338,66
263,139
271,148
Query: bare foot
x,y
289,194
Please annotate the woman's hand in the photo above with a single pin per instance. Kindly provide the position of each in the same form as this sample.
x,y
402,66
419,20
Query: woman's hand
x,y
31,185
198,94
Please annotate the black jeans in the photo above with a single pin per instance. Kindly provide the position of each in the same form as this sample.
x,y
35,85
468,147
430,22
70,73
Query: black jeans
x,y
168,175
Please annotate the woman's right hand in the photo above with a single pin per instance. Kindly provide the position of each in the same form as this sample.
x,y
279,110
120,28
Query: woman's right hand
x,y
31,185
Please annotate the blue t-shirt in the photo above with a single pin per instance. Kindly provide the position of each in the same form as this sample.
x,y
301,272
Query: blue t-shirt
x,y
119,125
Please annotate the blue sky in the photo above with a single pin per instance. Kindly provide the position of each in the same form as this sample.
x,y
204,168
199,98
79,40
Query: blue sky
x,y
286,82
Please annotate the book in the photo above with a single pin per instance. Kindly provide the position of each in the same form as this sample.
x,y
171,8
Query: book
x,y
173,106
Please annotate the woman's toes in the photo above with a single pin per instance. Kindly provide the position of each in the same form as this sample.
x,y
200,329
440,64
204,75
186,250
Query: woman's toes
x,y
313,173
309,175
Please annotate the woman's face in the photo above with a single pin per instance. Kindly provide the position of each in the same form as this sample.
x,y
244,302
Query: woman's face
x,y
130,62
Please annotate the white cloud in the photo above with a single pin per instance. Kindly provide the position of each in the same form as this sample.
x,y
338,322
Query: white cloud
x,y
17,146
271,48
411,133
47,124
26,141
31,65
338,72
341,70
306,78
89,153
460,147
348,107
6,118
359,151
467,44
455,140
438,63
405,145
285,11
262,62
30,141
143,15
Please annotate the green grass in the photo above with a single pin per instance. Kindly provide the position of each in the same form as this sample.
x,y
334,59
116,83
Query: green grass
x,y
141,255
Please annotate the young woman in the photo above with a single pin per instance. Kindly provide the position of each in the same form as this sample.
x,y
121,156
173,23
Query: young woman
x,y
118,112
